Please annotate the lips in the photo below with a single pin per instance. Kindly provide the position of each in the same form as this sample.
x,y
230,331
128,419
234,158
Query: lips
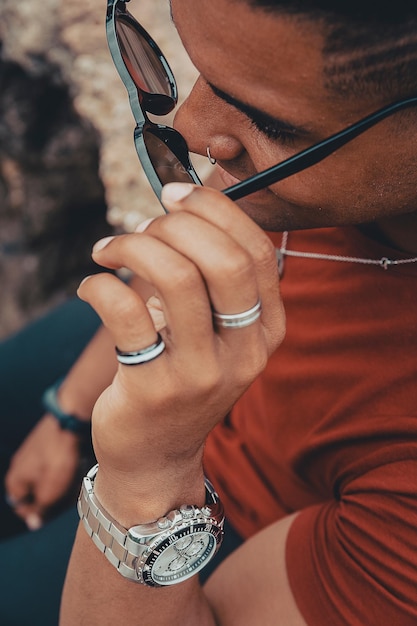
x,y
258,197
227,178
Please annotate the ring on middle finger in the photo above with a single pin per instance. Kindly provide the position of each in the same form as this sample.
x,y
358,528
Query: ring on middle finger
x,y
238,320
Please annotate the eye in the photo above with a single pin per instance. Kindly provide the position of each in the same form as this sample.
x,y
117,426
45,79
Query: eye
x,y
275,132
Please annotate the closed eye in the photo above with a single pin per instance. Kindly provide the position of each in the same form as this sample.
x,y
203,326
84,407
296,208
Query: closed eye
x,y
274,129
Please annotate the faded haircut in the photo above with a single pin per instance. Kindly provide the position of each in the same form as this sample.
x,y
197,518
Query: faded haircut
x,y
370,47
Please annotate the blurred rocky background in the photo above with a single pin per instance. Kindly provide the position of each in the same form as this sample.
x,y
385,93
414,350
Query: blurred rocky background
x,y
69,173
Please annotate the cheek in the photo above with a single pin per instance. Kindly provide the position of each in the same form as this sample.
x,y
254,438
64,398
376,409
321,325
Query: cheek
x,y
327,196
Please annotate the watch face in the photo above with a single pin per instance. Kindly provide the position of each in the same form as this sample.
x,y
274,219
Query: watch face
x,y
181,555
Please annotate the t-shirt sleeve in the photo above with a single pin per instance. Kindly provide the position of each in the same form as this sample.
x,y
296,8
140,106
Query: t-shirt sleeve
x,y
353,561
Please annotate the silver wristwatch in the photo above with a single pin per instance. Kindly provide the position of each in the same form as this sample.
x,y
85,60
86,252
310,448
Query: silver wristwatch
x,y
164,552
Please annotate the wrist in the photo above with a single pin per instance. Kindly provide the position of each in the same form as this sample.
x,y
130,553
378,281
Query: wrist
x,y
170,549
67,420
143,496
71,401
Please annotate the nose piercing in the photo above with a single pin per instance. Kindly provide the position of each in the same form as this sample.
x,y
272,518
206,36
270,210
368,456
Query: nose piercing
x,y
210,158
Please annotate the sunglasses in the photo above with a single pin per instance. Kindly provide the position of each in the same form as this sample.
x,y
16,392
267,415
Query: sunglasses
x,y
152,89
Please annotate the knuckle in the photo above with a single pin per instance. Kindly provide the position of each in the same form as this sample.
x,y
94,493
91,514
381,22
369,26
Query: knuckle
x,y
125,308
234,265
264,252
183,275
212,380
172,223
205,380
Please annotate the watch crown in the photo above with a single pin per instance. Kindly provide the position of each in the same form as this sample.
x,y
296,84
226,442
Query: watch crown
x,y
187,510
163,523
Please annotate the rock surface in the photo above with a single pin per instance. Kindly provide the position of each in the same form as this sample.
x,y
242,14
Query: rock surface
x,y
69,173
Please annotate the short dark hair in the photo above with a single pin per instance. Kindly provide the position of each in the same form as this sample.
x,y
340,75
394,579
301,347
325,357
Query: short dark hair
x,y
366,10
370,47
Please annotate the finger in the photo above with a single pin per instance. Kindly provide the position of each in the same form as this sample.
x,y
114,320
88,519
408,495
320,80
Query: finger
x,y
178,283
18,488
27,509
217,209
31,515
121,310
21,498
227,268
198,267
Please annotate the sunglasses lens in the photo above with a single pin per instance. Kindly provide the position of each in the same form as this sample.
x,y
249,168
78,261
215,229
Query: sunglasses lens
x,y
141,60
167,165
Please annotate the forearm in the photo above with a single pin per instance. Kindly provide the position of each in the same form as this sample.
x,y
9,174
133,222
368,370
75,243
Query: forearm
x,y
89,376
96,595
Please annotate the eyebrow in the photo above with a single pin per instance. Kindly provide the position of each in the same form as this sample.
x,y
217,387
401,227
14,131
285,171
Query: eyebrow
x,y
257,115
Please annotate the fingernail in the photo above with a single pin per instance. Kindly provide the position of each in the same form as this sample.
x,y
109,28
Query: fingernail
x,y
33,521
102,243
176,192
84,280
144,225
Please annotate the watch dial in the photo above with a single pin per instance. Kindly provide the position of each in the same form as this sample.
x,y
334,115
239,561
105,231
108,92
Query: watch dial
x,y
181,556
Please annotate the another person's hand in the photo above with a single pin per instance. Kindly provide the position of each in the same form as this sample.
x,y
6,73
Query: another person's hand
x,y
205,255
42,471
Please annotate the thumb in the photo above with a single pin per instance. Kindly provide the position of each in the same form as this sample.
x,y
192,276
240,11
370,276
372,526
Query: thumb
x,y
26,508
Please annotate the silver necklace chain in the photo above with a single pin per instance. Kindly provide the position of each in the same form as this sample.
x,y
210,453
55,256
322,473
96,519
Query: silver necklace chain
x,y
383,262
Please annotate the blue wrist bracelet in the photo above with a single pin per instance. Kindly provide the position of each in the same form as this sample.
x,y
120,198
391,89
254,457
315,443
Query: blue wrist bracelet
x,y
67,422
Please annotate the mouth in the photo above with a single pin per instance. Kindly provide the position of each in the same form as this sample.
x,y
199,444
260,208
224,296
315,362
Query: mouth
x,y
229,180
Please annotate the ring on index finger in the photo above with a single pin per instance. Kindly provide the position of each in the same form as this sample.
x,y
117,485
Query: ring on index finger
x,y
14,503
238,320
141,356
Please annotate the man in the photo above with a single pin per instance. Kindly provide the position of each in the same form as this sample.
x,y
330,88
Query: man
x,y
315,463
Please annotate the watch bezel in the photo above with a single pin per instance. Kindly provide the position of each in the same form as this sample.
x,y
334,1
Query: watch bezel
x,y
160,544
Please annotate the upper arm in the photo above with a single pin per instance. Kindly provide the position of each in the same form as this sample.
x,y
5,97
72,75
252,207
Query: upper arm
x,y
251,586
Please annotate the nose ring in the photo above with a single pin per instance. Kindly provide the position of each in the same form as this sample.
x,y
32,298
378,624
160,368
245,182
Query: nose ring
x,y
210,158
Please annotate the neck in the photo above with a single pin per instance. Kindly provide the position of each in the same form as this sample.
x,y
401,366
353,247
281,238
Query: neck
x,y
399,232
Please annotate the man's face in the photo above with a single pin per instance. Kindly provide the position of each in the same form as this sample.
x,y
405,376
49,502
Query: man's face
x,y
261,98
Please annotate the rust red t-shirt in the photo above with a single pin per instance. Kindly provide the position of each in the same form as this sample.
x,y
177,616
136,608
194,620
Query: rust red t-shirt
x,y
330,429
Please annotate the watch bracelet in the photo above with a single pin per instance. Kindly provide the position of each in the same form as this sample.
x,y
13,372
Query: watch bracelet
x,y
111,538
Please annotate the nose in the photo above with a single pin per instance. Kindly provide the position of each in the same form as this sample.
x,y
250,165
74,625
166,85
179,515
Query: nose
x,y
205,120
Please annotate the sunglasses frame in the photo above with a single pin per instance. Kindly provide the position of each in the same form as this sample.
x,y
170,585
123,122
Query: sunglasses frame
x,y
177,144
140,102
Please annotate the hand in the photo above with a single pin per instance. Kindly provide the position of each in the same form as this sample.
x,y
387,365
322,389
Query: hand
x,y
205,254
42,471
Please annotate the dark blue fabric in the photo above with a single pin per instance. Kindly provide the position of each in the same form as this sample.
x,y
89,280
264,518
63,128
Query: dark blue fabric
x,y
33,564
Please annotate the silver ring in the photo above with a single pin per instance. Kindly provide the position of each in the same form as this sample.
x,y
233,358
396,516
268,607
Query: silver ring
x,y
141,356
210,158
14,503
238,320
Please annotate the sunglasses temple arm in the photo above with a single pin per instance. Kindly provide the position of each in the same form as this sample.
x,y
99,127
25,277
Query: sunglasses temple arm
x,y
311,155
